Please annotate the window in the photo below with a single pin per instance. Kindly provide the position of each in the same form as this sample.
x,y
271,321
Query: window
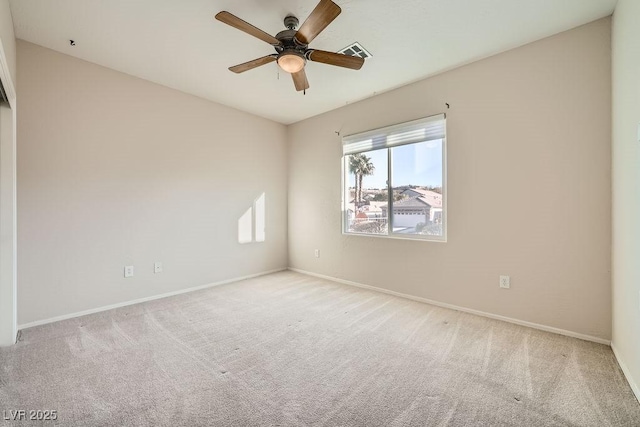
x,y
394,181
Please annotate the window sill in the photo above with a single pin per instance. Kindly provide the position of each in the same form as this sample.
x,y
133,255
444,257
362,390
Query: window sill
x,y
432,239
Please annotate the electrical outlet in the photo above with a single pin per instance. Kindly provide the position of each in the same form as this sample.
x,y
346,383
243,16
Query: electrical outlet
x,y
128,271
505,282
157,267
317,253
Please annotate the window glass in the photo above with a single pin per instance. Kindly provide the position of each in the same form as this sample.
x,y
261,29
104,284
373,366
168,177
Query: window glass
x,y
417,180
366,192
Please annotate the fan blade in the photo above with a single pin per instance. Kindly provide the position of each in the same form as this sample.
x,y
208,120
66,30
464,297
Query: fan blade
x,y
241,25
324,13
300,80
337,59
241,68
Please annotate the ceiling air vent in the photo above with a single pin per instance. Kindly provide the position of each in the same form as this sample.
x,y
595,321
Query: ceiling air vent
x,y
356,49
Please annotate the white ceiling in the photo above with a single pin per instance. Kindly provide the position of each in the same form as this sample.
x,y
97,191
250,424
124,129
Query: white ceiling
x,y
178,43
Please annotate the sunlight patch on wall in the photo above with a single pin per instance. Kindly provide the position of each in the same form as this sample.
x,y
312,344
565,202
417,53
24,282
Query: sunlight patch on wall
x,y
254,218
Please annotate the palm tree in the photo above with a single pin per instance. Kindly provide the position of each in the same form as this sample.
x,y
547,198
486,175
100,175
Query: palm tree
x,y
360,165
366,169
354,168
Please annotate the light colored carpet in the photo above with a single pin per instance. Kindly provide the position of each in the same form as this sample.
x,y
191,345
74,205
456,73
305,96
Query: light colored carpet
x,y
292,350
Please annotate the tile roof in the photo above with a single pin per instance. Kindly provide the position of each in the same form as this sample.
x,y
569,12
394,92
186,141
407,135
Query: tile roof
x,y
430,198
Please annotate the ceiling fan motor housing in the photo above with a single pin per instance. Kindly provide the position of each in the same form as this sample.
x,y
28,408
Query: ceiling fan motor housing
x,y
291,22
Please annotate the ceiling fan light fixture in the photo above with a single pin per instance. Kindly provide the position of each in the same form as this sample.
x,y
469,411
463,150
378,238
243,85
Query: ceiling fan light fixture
x,y
291,62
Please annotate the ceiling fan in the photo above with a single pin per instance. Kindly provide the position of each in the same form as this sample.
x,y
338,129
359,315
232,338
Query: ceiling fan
x,y
292,47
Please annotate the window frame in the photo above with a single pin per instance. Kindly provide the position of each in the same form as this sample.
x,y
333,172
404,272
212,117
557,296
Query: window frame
x,y
390,234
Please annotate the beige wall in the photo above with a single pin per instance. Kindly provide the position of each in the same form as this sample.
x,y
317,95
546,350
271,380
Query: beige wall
x,y
529,140
8,326
115,171
626,188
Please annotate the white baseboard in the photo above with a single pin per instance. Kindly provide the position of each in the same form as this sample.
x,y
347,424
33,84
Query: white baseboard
x,y
458,308
145,299
346,282
626,372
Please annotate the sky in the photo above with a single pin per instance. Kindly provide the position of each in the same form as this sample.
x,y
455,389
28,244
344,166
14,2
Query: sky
x,y
415,164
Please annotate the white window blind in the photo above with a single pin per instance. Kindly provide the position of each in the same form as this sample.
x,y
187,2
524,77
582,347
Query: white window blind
x,y
421,130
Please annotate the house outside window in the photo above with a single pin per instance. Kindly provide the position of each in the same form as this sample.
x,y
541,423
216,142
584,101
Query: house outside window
x,y
394,181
